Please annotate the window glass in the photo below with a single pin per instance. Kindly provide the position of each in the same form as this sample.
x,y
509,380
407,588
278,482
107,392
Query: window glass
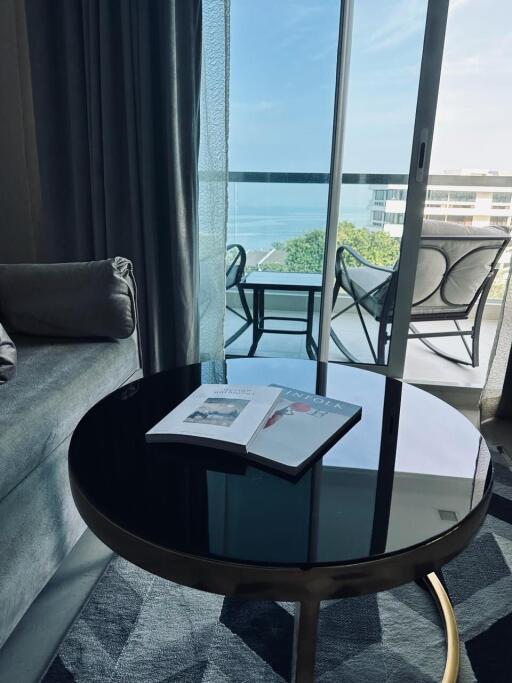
x,y
471,136
396,194
502,197
437,195
394,218
457,196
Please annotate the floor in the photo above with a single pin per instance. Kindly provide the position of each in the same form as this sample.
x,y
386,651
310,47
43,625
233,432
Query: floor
x,y
28,652
422,366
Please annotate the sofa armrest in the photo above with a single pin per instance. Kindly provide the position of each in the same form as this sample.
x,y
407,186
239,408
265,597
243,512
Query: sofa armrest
x,y
92,299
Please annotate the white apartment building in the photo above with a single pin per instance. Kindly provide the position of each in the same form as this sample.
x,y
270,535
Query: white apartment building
x,y
476,204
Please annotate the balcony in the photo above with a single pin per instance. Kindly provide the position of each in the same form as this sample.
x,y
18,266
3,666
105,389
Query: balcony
x,y
422,366
269,211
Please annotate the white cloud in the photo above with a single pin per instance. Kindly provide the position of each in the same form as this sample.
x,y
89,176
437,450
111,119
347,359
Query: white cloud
x,y
404,20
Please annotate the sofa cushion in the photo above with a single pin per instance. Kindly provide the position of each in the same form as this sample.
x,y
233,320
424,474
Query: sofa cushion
x,y
57,382
92,299
7,356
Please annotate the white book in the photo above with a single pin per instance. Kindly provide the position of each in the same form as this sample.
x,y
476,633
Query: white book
x,y
276,426
218,415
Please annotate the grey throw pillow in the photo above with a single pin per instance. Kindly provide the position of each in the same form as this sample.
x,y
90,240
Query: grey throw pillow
x,y
7,356
93,299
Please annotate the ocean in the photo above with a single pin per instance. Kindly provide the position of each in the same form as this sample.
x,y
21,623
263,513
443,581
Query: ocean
x,y
260,214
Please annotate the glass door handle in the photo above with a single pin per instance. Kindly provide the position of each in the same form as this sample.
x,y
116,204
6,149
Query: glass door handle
x,y
422,148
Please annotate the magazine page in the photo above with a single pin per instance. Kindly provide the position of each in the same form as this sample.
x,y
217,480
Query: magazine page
x,y
299,425
217,413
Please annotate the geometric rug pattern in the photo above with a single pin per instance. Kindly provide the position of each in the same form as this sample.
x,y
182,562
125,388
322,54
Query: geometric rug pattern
x,y
138,628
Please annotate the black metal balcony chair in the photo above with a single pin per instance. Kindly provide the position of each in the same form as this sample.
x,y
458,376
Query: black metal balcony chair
x,y
236,259
457,265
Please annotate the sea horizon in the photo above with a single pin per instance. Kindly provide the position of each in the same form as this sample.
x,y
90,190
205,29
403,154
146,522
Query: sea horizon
x,y
256,220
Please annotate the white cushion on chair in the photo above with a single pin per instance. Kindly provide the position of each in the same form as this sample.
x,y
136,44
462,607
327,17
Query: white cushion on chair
x,y
364,279
468,260
432,266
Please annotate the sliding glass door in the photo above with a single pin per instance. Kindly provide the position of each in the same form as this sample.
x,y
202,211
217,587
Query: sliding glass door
x,y
470,186
386,119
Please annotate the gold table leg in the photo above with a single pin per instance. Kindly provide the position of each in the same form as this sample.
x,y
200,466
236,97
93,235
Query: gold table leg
x,y
451,669
306,626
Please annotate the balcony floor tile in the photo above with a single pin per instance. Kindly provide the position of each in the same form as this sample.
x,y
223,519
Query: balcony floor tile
x,y
421,366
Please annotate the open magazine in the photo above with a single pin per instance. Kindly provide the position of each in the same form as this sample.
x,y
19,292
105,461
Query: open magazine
x,y
276,426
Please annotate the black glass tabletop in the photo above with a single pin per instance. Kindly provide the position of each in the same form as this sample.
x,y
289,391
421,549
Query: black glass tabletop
x,y
409,471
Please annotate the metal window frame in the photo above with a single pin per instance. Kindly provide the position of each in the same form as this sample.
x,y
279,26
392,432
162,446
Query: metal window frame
x,y
335,176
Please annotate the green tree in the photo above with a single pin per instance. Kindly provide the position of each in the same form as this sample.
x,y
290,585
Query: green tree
x,y
269,266
305,254
376,246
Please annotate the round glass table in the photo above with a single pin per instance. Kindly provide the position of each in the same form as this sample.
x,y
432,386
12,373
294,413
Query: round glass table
x,y
398,496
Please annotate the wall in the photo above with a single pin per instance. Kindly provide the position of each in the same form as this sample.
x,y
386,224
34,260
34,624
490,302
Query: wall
x,y
20,204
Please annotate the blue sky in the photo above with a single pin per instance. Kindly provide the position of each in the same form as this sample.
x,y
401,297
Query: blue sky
x,y
283,55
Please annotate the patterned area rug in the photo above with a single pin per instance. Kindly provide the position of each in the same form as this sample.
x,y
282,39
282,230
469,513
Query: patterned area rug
x,y
137,628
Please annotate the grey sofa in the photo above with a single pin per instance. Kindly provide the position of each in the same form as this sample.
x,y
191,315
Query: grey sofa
x,y
58,379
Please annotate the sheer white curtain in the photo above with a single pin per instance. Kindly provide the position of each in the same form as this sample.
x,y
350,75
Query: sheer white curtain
x,y
213,177
500,357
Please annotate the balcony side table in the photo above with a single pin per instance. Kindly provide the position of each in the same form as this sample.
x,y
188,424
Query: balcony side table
x,y
260,281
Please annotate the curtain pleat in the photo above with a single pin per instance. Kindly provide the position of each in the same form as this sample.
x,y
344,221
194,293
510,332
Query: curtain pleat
x,y
116,90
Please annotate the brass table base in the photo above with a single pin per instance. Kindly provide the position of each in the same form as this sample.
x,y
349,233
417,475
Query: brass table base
x,y
451,668
306,627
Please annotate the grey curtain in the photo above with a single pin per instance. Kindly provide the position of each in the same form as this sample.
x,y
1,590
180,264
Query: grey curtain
x,y
116,86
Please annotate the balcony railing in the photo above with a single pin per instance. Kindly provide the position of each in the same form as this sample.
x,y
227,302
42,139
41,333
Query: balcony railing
x,y
367,179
